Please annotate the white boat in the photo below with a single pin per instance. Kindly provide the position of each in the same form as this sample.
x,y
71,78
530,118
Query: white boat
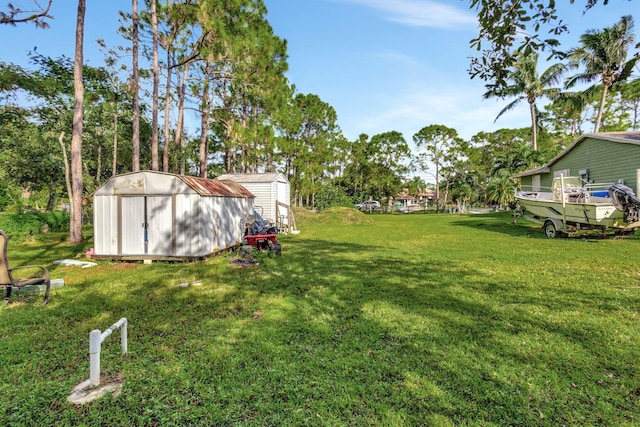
x,y
571,205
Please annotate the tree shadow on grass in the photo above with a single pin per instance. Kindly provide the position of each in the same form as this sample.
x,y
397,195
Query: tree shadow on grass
x,y
503,223
348,333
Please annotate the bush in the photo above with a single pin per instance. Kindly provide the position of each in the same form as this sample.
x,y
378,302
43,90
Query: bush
x,y
32,223
331,196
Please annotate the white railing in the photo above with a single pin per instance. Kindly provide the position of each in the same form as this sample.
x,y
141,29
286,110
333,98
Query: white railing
x,y
95,340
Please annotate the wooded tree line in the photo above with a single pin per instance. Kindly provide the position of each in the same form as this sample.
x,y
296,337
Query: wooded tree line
x,y
220,62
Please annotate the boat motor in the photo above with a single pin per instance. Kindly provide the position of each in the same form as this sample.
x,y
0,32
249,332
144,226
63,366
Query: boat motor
x,y
625,200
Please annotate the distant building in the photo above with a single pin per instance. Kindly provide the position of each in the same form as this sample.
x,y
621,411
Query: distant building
x,y
408,199
427,195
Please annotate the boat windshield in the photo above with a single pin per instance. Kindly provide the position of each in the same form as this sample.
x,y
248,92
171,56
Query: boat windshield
x,y
570,182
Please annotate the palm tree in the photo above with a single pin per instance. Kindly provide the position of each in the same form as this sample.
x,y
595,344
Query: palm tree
x,y
604,57
501,189
525,83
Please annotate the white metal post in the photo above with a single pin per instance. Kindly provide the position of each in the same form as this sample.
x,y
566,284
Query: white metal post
x,y
564,202
95,340
123,336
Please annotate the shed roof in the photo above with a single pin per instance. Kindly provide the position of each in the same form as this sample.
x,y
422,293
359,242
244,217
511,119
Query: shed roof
x,y
153,182
253,177
619,137
216,187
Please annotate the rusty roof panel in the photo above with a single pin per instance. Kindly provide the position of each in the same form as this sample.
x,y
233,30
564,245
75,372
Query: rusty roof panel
x,y
216,187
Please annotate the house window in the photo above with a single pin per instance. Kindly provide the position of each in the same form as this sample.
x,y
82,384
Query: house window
x,y
535,183
563,172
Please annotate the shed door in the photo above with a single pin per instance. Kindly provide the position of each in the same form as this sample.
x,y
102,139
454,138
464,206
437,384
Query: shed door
x,y
133,221
159,220
147,218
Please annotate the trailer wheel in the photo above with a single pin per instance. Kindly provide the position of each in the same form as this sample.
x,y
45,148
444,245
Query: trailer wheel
x,y
550,229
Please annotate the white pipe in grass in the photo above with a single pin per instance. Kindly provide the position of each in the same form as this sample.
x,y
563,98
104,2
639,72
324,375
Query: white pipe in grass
x,y
95,341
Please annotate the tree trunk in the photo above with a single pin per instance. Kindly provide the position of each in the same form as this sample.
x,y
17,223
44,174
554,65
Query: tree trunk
x,y
75,229
156,83
52,199
179,138
114,166
99,165
437,187
601,109
167,112
534,126
67,171
135,158
204,123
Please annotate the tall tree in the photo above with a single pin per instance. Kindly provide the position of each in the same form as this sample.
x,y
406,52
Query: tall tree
x,y
307,146
175,16
433,143
604,56
524,83
76,139
156,84
134,88
388,153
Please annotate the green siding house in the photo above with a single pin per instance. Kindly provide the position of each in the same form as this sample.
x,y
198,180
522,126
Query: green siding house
x,y
607,157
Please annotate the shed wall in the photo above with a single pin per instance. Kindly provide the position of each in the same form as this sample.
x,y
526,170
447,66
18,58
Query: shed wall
x,y
265,196
230,215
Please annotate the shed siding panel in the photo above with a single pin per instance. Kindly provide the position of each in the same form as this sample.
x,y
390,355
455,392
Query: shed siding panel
x,y
230,214
188,241
208,221
263,199
105,225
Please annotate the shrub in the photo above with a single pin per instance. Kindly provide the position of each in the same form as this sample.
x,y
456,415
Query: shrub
x,y
331,196
32,223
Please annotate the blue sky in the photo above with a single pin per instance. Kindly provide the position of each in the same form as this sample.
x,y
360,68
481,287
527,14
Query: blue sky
x,y
382,64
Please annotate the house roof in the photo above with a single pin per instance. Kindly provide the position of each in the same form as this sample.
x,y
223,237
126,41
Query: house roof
x,y
404,197
253,177
620,137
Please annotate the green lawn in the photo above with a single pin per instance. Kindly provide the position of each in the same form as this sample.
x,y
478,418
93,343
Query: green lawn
x,y
436,320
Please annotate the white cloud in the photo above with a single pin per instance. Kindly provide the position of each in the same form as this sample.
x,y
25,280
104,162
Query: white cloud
x,y
421,13
400,59
460,108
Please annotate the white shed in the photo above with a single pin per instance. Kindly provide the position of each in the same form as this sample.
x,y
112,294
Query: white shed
x,y
155,215
273,195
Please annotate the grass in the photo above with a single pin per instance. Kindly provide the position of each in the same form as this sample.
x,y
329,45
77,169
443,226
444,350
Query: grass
x,y
442,320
